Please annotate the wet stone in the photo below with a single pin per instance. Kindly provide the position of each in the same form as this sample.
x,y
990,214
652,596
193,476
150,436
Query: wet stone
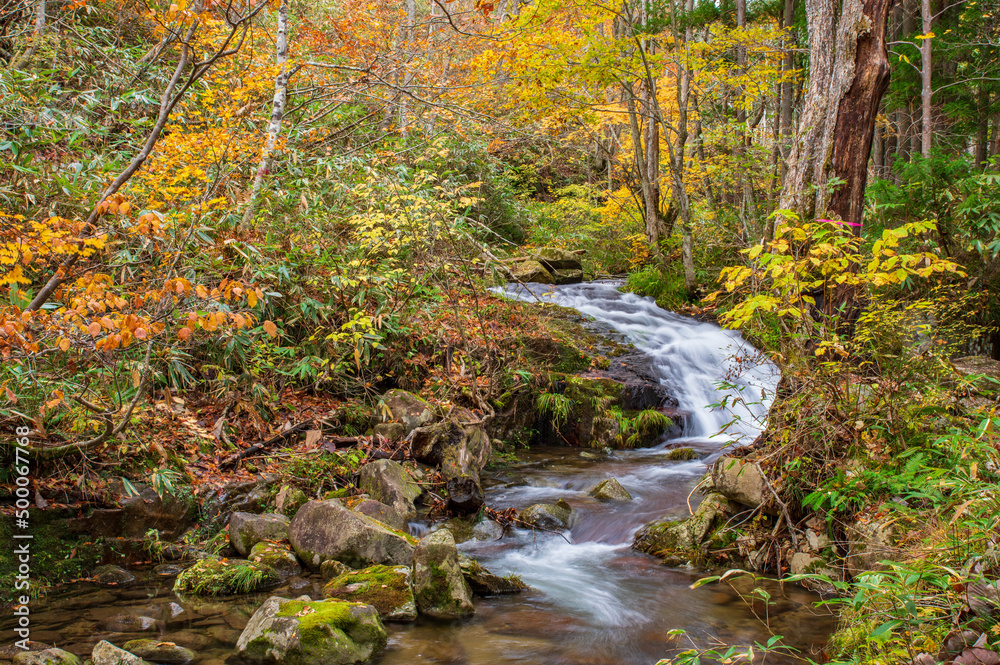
x,y
128,623
112,576
46,657
156,651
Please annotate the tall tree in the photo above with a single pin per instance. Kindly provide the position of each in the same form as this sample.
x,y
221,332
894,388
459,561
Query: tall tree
x,y
849,74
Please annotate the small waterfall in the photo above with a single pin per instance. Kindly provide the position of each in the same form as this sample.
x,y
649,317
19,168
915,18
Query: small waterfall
x,y
699,363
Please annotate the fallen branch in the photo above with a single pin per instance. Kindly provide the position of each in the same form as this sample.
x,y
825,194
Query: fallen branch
x,y
258,447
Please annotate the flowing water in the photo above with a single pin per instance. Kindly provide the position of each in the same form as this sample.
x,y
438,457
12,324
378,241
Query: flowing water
x,y
593,601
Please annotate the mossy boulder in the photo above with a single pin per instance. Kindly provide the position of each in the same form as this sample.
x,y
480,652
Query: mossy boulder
x,y
156,651
332,568
610,490
386,588
325,530
46,657
681,454
458,445
567,275
214,576
388,481
555,258
248,529
531,271
407,409
277,556
308,632
548,516
439,586
106,653
673,536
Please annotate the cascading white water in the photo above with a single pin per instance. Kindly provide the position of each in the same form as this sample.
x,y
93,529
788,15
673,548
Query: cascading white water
x,y
699,363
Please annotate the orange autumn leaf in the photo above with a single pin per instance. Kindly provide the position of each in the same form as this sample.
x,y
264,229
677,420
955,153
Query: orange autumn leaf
x,y
270,328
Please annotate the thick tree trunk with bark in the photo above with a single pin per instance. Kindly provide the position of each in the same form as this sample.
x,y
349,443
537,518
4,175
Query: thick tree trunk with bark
x,y
926,91
849,74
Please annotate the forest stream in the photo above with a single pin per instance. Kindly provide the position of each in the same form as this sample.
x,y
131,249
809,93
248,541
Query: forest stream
x,y
593,600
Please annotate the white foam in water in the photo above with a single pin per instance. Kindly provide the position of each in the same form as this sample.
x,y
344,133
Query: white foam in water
x,y
696,361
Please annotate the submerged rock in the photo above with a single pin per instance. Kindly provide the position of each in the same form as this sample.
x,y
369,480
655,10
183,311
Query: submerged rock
x,y
112,576
324,530
160,652
306,632
610,490
388,481
221,577
248,529
439,586
46,657
278,557
548,516
128,623
386,588
681,454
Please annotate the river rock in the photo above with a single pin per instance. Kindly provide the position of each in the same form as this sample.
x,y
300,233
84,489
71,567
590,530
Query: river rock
x,y
332,568
742,482
377,510
681,454
871,541
307,632
222,577
531,271
465,495
567,275
386,588
325,530
47,657
251,496
458,445
390,431
485,583
438,583
112,576
277,556
248,529
106,653
289,500
156,651
555,258
672,535
548,516
388,481
487,529
407,409
610,490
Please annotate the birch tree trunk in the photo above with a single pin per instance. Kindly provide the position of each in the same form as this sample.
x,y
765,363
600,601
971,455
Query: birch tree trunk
x,y
277,113
849,74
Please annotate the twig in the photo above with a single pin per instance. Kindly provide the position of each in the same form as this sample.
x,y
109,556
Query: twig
x,y
258,447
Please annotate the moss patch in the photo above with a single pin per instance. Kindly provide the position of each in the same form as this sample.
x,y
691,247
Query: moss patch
x,y
319,618
386,588
220,577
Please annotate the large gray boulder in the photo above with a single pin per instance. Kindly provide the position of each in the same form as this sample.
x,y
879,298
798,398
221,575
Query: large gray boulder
x,y
390,515
386,588
308,632
325,530
46,657
248,529
438,583
555,258
406,408
389,482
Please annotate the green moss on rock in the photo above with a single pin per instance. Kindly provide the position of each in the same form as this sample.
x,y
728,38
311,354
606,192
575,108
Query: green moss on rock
x,y
386,588
220,577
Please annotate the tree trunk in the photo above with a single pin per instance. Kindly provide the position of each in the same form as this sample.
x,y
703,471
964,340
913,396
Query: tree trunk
x,y
787,89
983,127
277,113
849,75
926,70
